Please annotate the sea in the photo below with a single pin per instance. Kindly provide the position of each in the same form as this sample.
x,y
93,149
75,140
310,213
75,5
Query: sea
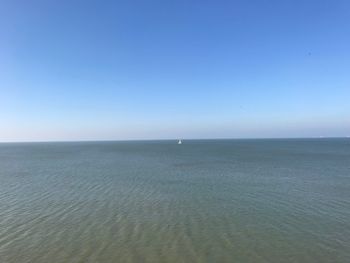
x,y
251,200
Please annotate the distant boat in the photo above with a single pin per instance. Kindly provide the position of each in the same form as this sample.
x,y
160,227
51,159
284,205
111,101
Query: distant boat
x,y
179,142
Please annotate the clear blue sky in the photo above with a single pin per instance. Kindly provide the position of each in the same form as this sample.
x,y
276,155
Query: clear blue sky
x,y
88,70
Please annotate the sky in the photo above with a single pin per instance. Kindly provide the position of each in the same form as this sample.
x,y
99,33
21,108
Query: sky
x,y
117,70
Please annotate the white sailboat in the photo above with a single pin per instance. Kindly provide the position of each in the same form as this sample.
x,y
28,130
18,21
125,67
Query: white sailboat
x,y
179,142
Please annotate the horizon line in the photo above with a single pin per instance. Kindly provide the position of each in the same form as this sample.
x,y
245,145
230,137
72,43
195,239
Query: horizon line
x,y
174,139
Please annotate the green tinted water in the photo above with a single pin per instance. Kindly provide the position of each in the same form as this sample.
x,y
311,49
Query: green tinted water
x,y
156,201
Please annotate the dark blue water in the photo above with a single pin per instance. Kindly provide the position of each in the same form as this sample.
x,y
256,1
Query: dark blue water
x,y
156,201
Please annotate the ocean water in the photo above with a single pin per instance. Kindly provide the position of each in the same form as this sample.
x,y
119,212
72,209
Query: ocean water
x,y
156,201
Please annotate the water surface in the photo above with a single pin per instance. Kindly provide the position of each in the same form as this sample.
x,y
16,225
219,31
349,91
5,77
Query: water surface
x,y
156,201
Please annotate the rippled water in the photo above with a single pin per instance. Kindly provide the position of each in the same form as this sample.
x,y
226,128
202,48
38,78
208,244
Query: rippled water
x,y
156,201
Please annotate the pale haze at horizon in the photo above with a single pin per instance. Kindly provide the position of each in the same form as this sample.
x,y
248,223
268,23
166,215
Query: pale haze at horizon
x,y
115,70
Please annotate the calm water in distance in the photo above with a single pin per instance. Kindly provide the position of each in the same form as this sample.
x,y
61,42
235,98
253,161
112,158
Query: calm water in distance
x,y
155,201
